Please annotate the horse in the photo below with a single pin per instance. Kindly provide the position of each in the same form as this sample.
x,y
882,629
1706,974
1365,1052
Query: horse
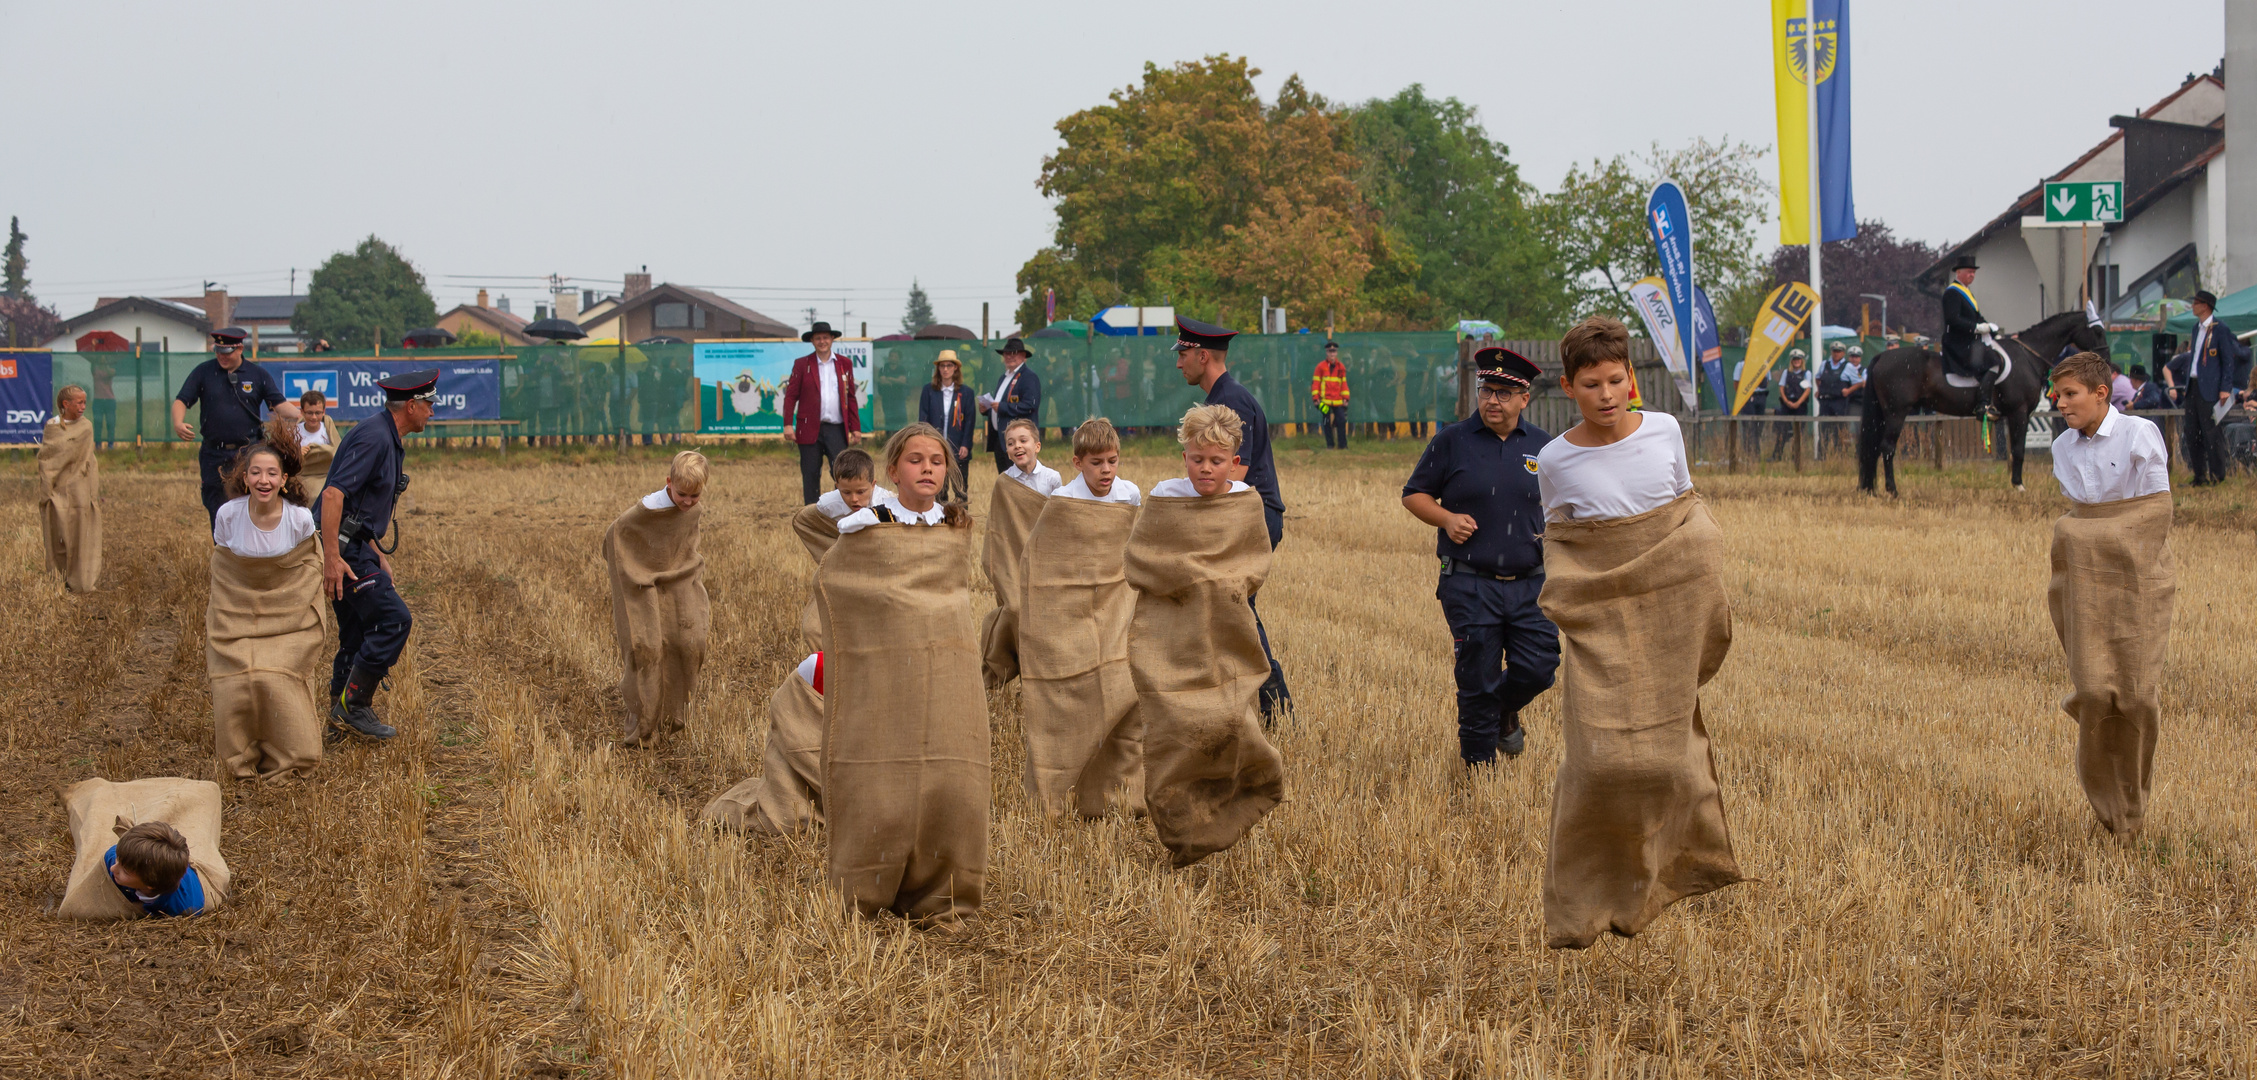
x,y
1903,379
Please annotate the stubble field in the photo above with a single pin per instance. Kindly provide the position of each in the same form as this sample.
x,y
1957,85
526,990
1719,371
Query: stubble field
x,y
501,892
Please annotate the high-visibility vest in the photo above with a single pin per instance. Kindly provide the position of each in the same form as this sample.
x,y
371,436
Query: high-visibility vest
x,y
1330,386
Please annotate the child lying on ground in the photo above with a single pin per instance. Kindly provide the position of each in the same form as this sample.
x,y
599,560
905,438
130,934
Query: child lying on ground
x,y
787,796
149,866
1022,442
1097,457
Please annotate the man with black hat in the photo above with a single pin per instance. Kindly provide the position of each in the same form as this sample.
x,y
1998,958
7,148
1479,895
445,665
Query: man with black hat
x,y
2217,366
365,477
1964,328
1017,396
231,390
1202,355
1476,484
821,407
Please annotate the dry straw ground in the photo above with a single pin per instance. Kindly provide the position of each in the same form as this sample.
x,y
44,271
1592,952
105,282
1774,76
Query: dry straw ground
x,y
500,893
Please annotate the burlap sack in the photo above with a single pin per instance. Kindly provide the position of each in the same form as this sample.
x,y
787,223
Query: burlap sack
x,y
70,510
2111,598
1637,817
816,532
264,628
1197,664
98,809
313,468
658,615
787,796
905,746
1085,746
1011,510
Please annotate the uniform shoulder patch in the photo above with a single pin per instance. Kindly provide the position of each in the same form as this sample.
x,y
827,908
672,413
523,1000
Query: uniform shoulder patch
x,y
1528,461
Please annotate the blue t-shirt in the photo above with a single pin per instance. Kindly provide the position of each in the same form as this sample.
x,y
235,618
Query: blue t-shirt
x,y
1470,471
186,898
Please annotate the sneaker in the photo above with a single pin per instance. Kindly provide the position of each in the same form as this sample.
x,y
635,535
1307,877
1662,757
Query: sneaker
x,y
360,720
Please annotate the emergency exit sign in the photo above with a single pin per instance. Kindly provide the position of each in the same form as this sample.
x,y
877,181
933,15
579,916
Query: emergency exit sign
x,y
2082,201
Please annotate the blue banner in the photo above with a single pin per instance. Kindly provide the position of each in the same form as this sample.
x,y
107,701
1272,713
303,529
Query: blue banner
x,y
27,381
1837,210
468,389
1670,224
1711,354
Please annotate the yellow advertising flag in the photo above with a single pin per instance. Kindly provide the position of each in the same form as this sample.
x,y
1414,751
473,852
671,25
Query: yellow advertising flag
x,y
1779,322
1788,66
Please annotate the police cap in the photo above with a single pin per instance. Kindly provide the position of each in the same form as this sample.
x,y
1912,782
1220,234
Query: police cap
x,y
230,335
411,386
1501,366
1193,334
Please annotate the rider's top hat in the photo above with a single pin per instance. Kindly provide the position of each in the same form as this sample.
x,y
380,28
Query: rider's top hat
x,y
2203,297
1964,262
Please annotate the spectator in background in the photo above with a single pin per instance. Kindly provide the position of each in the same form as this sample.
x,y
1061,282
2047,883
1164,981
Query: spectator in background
x,y
821,408
2145,394
105,401
2121,392
947,406
1017,396
1794,399
1328,390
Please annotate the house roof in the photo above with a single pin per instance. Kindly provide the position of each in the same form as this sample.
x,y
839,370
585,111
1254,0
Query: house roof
x,y
508,324
267,307
756,324
147,305
2171,183
2029,201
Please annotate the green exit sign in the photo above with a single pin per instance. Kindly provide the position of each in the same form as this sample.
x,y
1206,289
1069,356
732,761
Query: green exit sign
x,y
2084,201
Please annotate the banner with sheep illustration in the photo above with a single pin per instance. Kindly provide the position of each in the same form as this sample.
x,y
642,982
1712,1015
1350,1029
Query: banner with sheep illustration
x,y
741,383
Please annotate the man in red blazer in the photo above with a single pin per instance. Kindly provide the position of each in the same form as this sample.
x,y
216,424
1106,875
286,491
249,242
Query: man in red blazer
x,y
819,402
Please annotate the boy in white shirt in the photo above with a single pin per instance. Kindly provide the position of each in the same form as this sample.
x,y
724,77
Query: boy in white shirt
x,y
1615,463
2104,455
853,485
1022,442
1210,456
1097,457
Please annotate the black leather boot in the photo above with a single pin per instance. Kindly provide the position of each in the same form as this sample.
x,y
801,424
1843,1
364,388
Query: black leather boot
x,y
351,710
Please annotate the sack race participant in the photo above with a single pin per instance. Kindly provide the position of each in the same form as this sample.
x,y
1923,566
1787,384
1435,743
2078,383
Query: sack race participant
x,y
1633,578
266,621
658,604
145,847
1011,510
317,440
854,486
1084,744
787,796
1198,553
70,511
905,745
2112,590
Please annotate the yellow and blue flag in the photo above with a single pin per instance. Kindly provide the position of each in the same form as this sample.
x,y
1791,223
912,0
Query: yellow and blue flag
x,y
1794,63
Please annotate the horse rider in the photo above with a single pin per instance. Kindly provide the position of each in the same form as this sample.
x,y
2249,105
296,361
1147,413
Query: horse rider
x,y
1963,334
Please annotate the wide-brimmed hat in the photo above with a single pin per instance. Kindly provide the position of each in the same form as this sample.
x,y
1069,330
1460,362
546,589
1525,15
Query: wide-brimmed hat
x,y
1014,345
947,356
820,328
2203,297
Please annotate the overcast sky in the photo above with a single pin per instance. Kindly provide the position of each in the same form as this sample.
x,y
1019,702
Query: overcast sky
x,y
826,154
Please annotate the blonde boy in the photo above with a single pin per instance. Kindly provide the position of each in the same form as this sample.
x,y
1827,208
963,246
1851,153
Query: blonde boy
x,y
1097,457
659,610
685,483
1210,436
1022,442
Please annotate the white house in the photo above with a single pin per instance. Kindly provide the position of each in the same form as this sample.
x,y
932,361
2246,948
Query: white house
x,y
156,323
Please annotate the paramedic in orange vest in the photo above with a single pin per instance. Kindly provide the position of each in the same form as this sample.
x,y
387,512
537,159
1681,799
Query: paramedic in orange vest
x,y
1329,391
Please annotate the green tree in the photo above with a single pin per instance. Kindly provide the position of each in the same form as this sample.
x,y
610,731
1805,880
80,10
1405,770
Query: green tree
x,y
15,279
920,312
360,293
1457,204
1597,221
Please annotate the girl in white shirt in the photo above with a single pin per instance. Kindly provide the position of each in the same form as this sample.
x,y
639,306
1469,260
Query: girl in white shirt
x,y
1615,463
268,515
1023,444
918,462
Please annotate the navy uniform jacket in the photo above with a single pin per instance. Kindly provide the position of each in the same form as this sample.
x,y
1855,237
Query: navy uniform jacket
x,y
1254,451
1470,471
231,400
367,470
1959,339
1022,403
2224,364
956,427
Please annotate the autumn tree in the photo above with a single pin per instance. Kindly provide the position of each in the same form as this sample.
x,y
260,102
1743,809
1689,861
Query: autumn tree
x,y
1597,222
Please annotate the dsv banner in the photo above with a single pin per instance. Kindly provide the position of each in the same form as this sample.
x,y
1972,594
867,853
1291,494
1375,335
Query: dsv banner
x,y
468,389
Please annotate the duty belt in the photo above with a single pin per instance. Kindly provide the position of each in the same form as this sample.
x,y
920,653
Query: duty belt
x,y
1460,566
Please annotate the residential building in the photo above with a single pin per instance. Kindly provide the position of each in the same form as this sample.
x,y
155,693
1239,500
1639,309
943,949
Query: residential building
x,y
487,319
669,310
157,323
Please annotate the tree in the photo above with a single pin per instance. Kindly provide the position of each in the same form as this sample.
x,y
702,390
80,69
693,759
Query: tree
x,y
920,312
1873,261
15,280
1597,221
357,294
1456,203
26,324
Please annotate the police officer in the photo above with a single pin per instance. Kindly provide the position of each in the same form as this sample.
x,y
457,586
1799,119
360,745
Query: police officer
x,y
1476,484
1794,399
356,510
1202,356
231,390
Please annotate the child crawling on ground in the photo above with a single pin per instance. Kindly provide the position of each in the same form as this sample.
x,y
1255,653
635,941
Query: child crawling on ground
x,y
149,866
1097,457
1022,443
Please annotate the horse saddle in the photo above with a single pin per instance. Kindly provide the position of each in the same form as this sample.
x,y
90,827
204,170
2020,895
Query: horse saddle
x,y
1966,375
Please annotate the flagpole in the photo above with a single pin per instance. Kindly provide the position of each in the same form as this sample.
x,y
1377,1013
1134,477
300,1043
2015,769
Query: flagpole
x,y
1815,198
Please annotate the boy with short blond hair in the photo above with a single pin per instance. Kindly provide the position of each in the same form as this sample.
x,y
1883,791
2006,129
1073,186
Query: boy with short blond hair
x,y
660,612
1097,457
1022,442
1210,436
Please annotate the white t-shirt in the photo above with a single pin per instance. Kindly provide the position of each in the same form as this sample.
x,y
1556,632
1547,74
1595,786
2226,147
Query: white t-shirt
x,y
833,505
1123,491
1180,488
659,500
829,381
867,516
2124,459
319,436
232,529
1045,480
807,669
1621,479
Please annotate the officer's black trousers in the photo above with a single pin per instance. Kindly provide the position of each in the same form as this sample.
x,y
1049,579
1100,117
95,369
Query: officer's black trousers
x,y
1336,427
1274,695
212,458
1507,652
830,439
372,620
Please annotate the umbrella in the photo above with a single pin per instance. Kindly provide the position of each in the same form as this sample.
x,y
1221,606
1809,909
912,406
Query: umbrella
x,y
941,331
103,341
662,339
555,330
429,337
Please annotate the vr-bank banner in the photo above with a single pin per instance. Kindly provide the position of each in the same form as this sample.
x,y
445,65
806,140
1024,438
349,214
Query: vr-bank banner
x,y
468,389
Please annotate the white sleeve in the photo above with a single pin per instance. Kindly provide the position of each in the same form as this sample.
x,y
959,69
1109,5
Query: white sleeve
x,y
1128,492
2151,461
857,521
223,523
299,521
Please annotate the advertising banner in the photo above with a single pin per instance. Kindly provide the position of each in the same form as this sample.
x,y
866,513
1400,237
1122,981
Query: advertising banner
x,y
741,383
1710,346
468,389
1794,62
1652,300
1776,325
1669,223
27,382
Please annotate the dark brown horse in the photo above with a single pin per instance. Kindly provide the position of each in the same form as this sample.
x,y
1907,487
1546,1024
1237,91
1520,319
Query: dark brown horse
x,y
1901,380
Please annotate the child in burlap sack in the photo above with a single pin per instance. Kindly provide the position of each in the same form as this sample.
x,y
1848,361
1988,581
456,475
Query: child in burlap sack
x,y
659,610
